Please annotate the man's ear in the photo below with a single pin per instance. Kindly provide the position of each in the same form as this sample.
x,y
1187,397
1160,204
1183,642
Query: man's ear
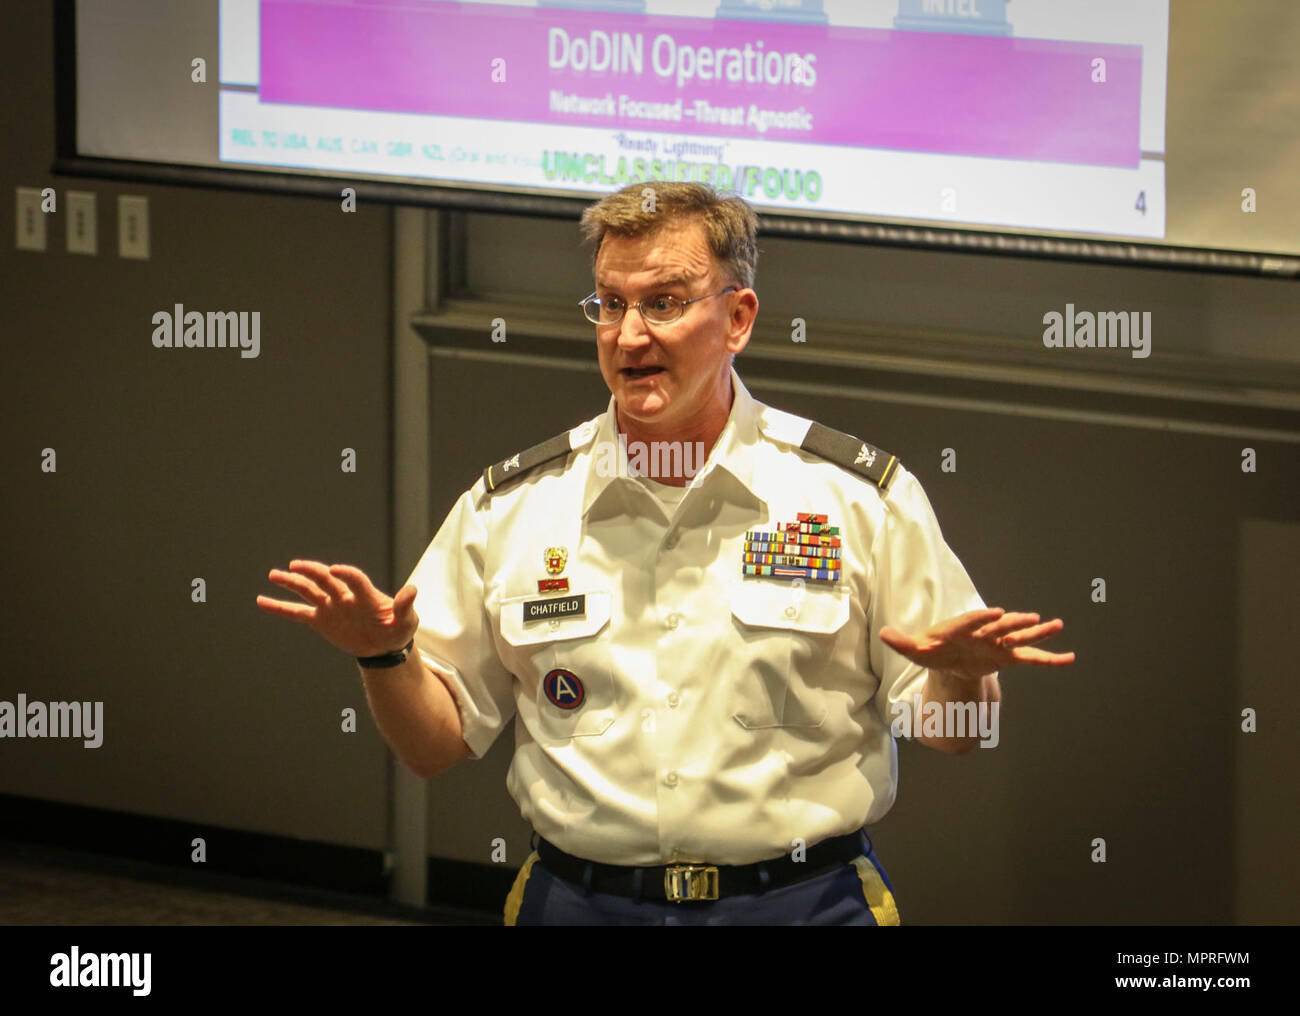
x,y
740,323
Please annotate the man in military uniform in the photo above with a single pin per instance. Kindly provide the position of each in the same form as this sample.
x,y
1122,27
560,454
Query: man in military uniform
x,y
703,614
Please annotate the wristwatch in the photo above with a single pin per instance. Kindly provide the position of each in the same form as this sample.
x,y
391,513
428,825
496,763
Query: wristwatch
x,y
388,659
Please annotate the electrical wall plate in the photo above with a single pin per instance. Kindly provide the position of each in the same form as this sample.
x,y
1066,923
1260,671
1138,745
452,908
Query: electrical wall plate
x,y
29,219
133,226
79,208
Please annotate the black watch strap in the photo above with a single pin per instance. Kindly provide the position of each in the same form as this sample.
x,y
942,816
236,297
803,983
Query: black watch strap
x,y
387,659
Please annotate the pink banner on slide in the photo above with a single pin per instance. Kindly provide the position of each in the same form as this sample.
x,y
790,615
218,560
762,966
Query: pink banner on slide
x,y
865,88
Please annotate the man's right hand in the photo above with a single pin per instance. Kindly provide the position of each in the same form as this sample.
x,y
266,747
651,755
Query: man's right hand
x,y
347,610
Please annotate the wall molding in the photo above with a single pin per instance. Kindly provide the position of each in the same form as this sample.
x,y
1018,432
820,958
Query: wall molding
x,y
1205,395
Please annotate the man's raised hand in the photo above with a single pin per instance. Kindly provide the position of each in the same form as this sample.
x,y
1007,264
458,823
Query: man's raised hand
x,y
346,609
979,642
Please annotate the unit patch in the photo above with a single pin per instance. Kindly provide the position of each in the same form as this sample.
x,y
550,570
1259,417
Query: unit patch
x,y
564,689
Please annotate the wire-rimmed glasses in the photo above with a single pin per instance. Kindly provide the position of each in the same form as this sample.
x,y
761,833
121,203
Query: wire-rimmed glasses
x,y
660,309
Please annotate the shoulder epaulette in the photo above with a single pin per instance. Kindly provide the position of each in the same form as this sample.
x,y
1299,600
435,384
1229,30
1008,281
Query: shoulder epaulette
x,y
521,462
852,453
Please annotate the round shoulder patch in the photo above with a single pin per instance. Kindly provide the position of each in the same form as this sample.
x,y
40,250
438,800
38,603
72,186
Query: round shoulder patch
x,y
564,688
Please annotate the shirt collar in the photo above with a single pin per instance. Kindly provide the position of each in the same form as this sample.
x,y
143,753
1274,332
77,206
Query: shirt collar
x,y
730,463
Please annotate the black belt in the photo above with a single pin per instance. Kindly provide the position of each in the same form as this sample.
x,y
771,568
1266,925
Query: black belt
x,y
692,881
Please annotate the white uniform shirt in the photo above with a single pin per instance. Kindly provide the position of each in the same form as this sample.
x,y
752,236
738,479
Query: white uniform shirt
x,y
721,716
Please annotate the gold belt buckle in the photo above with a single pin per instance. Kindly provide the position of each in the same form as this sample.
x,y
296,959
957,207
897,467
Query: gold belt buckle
x,y
691,882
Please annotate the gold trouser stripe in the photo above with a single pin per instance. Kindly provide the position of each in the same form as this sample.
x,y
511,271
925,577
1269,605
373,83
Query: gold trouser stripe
x,y
516,898
879,898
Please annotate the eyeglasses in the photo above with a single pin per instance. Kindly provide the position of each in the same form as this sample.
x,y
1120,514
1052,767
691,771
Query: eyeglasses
x,y
662,309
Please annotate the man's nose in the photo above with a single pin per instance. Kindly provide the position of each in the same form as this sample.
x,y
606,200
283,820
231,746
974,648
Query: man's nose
x,y
632,334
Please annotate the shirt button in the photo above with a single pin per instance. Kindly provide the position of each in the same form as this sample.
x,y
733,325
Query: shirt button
x,y
674,700
671,778
673,620
555,624
791,610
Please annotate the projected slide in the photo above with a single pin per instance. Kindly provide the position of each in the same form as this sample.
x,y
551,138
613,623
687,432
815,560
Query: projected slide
x,y
1029,114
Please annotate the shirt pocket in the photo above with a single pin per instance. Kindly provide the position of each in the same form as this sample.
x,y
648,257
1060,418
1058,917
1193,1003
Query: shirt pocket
x,y
565,667
789,635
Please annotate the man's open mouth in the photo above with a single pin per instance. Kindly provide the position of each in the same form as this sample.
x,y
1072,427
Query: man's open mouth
x,y
635,372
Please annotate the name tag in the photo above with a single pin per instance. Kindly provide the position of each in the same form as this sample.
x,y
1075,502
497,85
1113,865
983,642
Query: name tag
x,y
561,606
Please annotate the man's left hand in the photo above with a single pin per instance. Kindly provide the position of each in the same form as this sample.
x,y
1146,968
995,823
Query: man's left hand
x,y
979,642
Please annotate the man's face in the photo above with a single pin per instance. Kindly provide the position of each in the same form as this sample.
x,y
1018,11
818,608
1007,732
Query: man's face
x,y
667,376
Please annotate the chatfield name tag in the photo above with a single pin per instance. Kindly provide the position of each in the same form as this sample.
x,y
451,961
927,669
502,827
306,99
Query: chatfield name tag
x,y
556,606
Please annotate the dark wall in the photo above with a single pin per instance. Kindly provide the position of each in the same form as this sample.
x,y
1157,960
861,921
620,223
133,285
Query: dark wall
x,y
174,464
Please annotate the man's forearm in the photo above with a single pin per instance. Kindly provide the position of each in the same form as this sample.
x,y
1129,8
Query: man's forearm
x,y
416,714
943,688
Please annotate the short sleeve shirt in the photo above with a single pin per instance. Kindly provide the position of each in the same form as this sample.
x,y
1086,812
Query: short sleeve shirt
x,y
687,711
